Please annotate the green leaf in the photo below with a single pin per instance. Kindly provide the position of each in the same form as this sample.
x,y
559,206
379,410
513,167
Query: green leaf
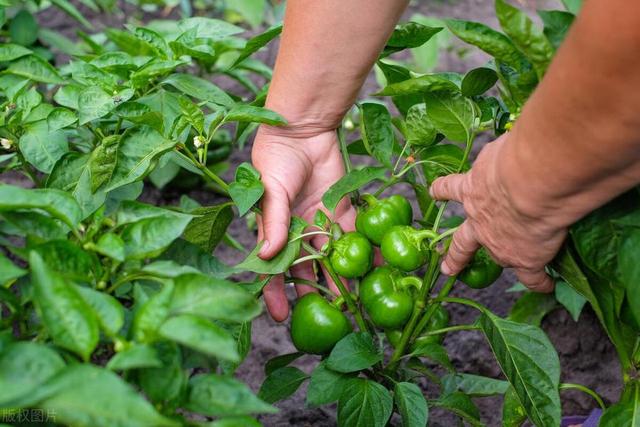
x,y
56,203
94,103
200,334
250,113
60,118
280,361
395,74
188,254
23,28
102,162
451,114
24,367
251,10
629,269
411,34
625,413
235,422
351,182
68,319
377,132
474,385
241,333
137,152
9,271
35,68
434,352
281,262
364,403
213,298
41,147
152,313
411,405
155,40
199,89
209,28
10,51
129,43
419,85
168,382
325,385
112,401
420,130
108,310
71,10
256,43
208,226
281,383
556,25
135,357
247,188
478,81
525,35
220,396
530,363
151,236
489,40
461,405
570,299
442,159
354,352
513,413
532,307
68,96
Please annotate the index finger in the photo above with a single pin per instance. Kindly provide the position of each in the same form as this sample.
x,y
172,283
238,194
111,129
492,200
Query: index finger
x,y
448,188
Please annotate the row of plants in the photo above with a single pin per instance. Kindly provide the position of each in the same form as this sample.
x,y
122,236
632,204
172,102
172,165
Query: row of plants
x,y
396,351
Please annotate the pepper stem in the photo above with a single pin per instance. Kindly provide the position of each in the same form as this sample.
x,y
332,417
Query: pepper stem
x,y
420,235
336,231
410,281
370,199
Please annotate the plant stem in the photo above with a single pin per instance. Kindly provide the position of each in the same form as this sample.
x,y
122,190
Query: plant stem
x,y
188,155
344,151
586,390
306,258
464,301
454,328
393,180
311,233
442,236
446,289
300,281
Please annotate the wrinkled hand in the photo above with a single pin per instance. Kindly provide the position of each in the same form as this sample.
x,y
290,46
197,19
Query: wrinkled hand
x,y
296,167
515,234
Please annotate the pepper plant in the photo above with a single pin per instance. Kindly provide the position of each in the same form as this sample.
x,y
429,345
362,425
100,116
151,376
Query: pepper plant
x,y
401,317
115,312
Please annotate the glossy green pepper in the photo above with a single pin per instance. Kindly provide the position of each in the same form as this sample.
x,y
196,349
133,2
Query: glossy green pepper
x,y
351,255
481,272
317,325
402,247
439,320
393,336
384,296
380,215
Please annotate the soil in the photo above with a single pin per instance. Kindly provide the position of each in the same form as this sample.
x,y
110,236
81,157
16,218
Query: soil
x,y
586,355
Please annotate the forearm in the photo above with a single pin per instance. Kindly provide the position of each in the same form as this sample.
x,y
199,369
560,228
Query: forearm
x,y
577,142
328,47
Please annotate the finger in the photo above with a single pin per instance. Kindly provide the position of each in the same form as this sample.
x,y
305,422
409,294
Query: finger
x,y
275,219
463,246
536,280
304,271
448,188
276,299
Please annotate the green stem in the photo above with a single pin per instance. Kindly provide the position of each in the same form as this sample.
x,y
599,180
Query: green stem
x,y
311,233
386,185
452,329
586,390
446,289
343,149
188,155
300,281
463,301
307,258
395,166
442,236
370,199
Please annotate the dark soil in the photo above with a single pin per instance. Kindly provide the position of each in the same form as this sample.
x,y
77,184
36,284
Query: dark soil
x,y
587,357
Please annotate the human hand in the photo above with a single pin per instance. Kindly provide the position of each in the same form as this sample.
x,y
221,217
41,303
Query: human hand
x,y
296,167
517,233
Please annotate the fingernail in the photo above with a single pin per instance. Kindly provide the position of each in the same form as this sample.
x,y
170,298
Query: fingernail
x,y
444,268
264,248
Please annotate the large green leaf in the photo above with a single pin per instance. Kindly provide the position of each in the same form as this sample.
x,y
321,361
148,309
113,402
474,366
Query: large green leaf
x,y
246,189
411,404
208,226
69,320
354,352
201,335
351,182
220,396
24,367
281,262
88,396
474,385
23,28
209,28
252,113
364,403
199,89
255,43
395,74
420,85
377,132
169,381
137,152
530,363
108,310
42,147
35,68
525,35
451,113
461,405
10,51
281,383
56,203
419,129
326,385
150,236
556,25
135,357
103,160
213,298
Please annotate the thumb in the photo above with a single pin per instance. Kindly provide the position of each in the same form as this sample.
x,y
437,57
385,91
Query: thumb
x,y
276,216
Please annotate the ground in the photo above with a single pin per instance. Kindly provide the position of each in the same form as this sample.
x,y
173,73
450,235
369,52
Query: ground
x,y
586,355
